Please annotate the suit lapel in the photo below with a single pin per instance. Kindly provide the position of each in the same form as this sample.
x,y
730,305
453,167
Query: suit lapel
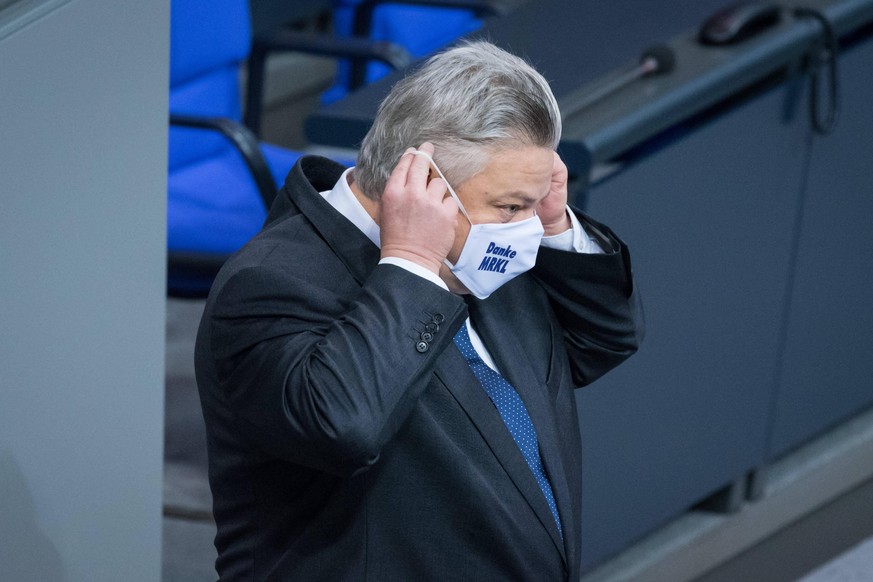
x,y
512,361
352,246
456,375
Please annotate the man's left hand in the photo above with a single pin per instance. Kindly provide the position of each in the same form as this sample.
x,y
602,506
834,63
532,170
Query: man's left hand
x,y
552,210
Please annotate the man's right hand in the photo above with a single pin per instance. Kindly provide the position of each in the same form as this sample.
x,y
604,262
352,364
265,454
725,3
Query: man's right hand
x,y
417,218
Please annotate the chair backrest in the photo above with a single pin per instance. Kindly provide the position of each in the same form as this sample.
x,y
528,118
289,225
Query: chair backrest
x,y
208,40
422,30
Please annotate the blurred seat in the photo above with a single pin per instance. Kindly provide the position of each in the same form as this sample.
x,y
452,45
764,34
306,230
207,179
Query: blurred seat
x,y
221,180
422,27
357,50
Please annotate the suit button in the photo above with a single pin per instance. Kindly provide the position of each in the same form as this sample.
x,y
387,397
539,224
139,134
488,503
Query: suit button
x,y
438,318
426,336
421,346
432,327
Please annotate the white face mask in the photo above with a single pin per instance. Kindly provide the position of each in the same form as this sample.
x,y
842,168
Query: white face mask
x,y
494,253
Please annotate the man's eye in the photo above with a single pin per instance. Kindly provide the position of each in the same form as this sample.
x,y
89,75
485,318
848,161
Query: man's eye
x,y
512,208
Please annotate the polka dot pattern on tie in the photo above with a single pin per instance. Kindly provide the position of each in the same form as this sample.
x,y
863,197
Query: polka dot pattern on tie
x,y
514,414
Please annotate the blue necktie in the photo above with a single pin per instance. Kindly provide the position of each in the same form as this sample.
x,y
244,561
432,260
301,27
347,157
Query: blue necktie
x,y
514,414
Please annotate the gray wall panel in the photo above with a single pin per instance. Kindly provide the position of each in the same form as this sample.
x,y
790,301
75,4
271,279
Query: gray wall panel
x,y
709,219
82,231
827,372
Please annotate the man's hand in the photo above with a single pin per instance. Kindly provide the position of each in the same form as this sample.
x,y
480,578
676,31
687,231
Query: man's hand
x,y
417,218
552,210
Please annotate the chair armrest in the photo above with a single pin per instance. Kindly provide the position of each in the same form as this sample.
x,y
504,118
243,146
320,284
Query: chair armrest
x,y
391,54
245,143
358,50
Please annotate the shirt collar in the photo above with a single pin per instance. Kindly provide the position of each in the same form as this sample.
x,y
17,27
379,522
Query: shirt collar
x,y
346,203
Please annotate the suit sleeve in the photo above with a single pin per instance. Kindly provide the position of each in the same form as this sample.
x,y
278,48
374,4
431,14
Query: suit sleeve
x,y
321,386
596,302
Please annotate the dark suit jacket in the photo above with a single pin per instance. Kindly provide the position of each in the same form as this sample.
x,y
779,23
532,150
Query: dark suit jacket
x,y
339,451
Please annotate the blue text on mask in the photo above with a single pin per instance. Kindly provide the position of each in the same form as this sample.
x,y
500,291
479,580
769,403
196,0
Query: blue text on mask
x,y
493,263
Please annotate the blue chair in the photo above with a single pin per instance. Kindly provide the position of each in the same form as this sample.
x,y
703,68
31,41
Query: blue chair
x,y
422,27
221,180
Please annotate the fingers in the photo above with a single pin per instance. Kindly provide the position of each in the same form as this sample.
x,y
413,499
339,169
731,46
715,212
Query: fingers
x,y
450,205
397,179
558,187
552,209
559,169
419,170
412,173
417,217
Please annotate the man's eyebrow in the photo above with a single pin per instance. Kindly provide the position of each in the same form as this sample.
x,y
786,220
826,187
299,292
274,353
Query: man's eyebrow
x,y
518,195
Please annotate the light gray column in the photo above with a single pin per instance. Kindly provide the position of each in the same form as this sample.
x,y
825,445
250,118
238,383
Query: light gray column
x,y
83,108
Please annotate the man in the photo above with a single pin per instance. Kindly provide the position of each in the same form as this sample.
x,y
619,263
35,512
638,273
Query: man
x,y
387,384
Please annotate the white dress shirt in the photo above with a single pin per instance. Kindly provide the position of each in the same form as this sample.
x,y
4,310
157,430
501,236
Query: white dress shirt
x,y
346,203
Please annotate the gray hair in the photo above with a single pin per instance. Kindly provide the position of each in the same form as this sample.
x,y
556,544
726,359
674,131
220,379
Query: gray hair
x,y
469,102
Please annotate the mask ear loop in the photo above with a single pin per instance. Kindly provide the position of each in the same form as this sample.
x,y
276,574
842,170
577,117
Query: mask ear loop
x,y
449,186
